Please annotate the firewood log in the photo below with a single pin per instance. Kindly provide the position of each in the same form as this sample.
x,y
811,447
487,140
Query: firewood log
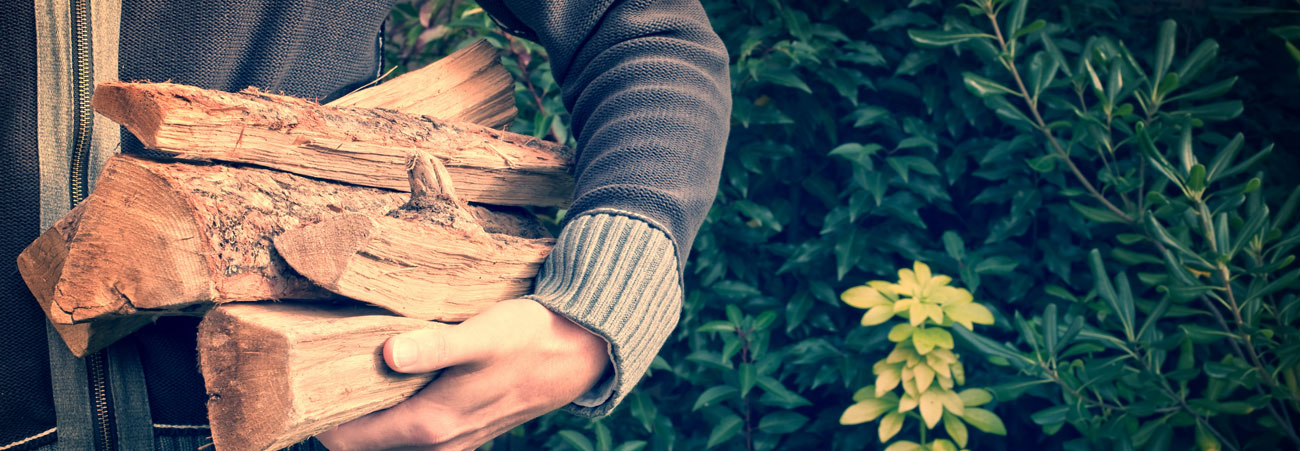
x,y
279,373
469,85
430,259
366,147
42,263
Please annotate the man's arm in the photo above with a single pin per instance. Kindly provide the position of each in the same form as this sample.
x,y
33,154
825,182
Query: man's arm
x,y
648,88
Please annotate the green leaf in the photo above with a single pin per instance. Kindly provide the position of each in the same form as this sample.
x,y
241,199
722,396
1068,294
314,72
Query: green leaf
x,y
1049,330
956,429
1214,112
1165,48
974,397
1245,165
984,87
725,429
746,376
783,422
1097,214
956,248
940,38
1196,178
1032,27
1042,70
783,76
576,440
998,264
713,396
1107,291
984,420
1043,164
1017,16
1207,92
867,410
643,409
1050,416
1250,230
1167,85
1199,59
635,445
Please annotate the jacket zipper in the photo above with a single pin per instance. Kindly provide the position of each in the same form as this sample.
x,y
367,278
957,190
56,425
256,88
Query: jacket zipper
x,y
102,421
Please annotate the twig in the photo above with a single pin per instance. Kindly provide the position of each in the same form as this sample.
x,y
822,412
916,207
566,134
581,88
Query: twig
x,y
1042,126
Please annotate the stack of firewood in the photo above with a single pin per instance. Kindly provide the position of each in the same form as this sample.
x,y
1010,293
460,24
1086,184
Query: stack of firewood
x,y
275,198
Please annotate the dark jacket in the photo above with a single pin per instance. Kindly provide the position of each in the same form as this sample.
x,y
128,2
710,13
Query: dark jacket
x,y
646,83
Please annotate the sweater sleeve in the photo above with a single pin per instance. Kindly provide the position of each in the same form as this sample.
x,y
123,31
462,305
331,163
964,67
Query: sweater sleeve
x,y
648,87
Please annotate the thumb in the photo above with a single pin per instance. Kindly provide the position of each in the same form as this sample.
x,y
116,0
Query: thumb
x,y
426,350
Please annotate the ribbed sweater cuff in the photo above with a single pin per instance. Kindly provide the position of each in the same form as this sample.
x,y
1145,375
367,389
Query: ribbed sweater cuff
x,y
616,276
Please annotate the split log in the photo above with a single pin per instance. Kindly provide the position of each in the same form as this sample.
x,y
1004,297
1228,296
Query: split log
x,y
428,260
174,238
365,147
279,373
469,85
41,264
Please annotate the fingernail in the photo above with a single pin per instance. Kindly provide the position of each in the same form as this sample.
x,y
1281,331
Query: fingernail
x,y
405,352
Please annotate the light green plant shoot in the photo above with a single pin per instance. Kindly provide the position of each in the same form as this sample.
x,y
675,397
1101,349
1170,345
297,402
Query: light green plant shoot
x,y
922,362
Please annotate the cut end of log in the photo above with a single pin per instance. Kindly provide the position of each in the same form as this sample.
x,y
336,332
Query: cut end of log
x,y
134,108
321,252
41,265
277,374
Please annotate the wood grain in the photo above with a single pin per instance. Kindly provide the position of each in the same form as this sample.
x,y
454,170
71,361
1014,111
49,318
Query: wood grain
x,y
278,373
366,147
469,85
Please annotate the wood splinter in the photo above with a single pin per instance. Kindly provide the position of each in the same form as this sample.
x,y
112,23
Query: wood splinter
x,y
428,259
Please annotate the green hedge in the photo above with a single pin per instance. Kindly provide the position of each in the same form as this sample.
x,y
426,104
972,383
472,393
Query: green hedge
x,y
870,134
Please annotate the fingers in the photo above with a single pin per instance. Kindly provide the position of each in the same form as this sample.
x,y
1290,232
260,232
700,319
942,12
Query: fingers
x,y
422,351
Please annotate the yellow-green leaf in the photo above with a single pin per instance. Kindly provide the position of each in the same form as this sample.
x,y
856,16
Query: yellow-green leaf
x,y
984,420
950,296
942,445
887,381
931,408
864,393
972,397
969,314
917,314
906,445
927,339
907,402
863,297
877,315
905,305
956,429
901,332
865,411
890,425
952,402
924,376
937,364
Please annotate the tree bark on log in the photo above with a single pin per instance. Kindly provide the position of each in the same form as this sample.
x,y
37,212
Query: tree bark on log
x,y
279,373
366,147
469,85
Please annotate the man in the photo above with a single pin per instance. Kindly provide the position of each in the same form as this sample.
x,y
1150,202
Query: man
x,y
646,82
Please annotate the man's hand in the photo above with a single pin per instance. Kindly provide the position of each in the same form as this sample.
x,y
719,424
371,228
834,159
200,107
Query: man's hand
x,y
509,364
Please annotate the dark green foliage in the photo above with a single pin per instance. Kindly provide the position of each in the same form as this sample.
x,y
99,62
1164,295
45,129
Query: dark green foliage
x,y
870,134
